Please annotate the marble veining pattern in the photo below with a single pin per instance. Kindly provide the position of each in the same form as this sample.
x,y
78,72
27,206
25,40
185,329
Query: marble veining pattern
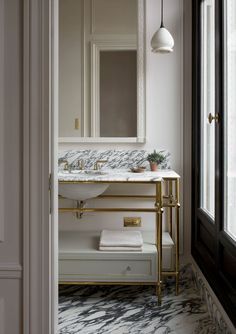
x,y
134,309
113,175
213,310
124,159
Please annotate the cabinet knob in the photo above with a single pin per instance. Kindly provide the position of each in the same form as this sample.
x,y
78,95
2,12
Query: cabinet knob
x,y
128,268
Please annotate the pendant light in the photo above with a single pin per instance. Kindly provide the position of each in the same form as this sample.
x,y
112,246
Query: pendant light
x,y
162,41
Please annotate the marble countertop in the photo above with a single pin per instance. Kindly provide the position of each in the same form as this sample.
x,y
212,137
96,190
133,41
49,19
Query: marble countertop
x,y
115,175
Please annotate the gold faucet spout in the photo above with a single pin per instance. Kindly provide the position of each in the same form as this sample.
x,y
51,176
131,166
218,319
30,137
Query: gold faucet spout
x,y
66,164
81,164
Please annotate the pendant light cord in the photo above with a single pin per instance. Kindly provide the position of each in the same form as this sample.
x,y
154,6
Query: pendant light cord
x,y
162,25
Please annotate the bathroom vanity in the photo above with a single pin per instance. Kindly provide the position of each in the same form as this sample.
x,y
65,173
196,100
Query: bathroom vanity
x,y
80,261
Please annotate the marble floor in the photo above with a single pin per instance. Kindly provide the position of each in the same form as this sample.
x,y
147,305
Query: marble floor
x,y
134,309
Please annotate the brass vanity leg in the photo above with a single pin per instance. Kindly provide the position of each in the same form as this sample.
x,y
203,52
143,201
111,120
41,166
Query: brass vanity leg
x,y
159,211
177,237
170,217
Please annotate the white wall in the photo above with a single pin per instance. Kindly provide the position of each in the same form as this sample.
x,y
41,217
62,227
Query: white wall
x,y
70,66
164,109
164,130
163,103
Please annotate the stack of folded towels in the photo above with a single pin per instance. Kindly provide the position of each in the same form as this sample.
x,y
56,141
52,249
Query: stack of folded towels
x,y
120,240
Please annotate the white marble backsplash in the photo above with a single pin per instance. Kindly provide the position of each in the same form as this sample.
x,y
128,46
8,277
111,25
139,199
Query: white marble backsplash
x,y
122,159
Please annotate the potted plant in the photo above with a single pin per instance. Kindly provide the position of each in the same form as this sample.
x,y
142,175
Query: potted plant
x,y
155,159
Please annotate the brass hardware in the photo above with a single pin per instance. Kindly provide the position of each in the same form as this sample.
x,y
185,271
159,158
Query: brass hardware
x,y
74,210
171,200
170,215
76,124
79,205
132,221
80,164
215,118
170,273
128,196
66,167
64,161
177,217
159,211
97,164
132,197
104,283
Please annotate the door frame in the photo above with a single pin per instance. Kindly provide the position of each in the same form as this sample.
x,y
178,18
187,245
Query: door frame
x,y
40,229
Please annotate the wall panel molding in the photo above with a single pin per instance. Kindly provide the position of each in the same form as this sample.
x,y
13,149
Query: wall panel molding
x,y
2,316
92,15
10,270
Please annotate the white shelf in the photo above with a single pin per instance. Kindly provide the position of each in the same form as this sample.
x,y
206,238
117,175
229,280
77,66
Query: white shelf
x,y
71,242
80,259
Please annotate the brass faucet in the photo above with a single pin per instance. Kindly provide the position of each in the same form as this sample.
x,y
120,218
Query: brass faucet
x,y
81,164
66,164
97,164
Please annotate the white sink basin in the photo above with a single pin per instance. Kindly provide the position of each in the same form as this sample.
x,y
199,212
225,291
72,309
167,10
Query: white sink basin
x,y
82,191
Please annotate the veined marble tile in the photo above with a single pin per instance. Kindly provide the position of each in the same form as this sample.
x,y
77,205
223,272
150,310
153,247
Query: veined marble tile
x,y
116,175
124,159
134,309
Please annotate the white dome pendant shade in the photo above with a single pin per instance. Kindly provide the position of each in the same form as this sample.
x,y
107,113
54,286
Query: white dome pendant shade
x,y
162,41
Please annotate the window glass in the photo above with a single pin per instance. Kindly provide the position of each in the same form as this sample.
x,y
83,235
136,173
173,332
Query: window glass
x,y
230,116
207,107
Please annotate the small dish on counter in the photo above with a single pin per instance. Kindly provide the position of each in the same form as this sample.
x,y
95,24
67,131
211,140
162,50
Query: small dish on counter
x,y
138,169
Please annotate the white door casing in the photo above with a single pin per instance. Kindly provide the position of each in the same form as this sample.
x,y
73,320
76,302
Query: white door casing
x,y
40,159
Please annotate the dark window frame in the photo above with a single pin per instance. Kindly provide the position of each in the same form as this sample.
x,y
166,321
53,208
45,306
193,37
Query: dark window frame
x,y
213,250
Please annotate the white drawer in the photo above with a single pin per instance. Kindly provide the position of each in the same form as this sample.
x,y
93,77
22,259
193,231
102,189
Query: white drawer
x,y
106,270
81,261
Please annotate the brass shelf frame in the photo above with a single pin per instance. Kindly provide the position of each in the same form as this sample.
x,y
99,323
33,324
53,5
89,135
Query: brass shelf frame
x,y
161,201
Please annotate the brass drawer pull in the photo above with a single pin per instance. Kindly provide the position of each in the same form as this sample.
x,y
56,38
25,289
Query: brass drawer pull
x,y
215,118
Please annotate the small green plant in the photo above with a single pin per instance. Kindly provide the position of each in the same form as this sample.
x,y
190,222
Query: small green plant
x,y
156,157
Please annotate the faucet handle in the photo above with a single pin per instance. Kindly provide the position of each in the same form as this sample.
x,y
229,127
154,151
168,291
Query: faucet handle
x,y
98,162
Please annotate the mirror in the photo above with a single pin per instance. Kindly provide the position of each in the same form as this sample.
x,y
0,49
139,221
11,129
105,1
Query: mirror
x,y
101,71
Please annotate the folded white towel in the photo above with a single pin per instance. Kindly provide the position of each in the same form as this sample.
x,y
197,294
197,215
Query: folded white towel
x,y
120,249
121,238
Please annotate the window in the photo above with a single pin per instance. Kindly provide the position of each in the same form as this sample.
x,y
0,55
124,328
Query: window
x,y
208,106
214,146
230,116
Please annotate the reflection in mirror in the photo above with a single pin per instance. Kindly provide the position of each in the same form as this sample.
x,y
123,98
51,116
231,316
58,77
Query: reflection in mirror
x,y
101,71
118,93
